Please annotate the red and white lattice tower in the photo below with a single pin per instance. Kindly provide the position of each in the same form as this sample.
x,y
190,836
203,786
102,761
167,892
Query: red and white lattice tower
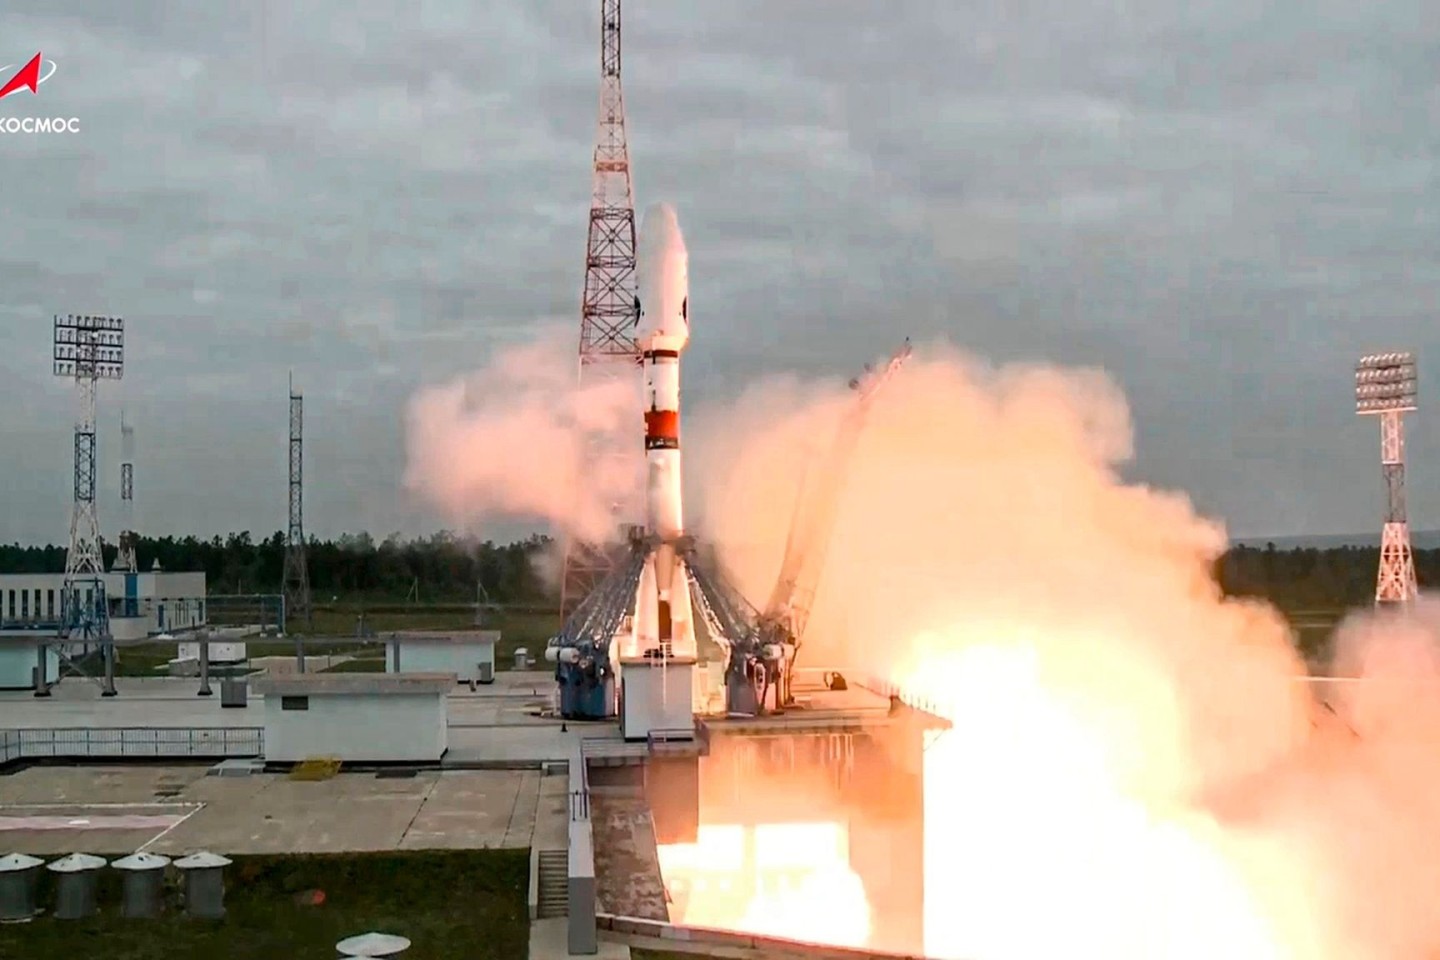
x,y
1385,387
608,307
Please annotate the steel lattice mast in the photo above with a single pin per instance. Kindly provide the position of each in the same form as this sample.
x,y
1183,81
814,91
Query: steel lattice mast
x,y
297,577
1385,385
87,349
608,307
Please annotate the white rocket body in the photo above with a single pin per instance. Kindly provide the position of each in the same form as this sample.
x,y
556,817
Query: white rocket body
x,y
663,616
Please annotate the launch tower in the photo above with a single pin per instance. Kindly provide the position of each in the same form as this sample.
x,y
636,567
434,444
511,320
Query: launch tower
x,y
609,308
296,574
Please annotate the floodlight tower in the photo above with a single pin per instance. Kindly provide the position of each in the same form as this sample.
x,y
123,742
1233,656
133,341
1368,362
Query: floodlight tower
x,y
125,561
608,307
87,349
1385,386
297,577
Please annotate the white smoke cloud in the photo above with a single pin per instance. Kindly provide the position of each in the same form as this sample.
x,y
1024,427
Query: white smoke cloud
x,y
517,439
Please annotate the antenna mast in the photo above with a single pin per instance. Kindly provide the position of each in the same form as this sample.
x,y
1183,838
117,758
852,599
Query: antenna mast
x,y
297,578
1385,386
608,306
125,560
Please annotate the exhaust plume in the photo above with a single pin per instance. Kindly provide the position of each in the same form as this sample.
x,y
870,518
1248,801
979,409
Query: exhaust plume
x,y
512,441
1137,767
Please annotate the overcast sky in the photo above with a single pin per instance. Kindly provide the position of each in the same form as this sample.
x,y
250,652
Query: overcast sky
x,y
1221,202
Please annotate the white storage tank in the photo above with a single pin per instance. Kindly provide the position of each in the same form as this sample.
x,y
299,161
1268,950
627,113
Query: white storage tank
x,y
358,717
469,654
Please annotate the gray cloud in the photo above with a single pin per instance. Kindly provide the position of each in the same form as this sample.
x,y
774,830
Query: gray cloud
x,y
1222,204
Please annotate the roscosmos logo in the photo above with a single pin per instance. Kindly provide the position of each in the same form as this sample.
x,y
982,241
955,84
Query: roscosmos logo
x,y
28,78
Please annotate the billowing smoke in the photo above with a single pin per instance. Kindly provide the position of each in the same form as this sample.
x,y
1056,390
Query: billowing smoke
x,y
1135,769
524,439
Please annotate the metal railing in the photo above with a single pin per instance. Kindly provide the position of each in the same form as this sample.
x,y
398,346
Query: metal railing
x,y
125,742
579,805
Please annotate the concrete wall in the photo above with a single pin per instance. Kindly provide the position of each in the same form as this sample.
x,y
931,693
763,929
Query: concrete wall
x,y
221,651
460,657
17,665
580,875
357,727
887,837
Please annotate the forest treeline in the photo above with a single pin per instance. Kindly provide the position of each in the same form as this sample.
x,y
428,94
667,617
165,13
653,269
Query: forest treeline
x,y
439,568
445,567
1313,579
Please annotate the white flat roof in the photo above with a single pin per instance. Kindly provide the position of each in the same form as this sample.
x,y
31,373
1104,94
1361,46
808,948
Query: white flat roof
x,y
447,636
380,684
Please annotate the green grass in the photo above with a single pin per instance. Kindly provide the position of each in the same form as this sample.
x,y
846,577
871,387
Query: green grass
x,y
518,628
452,905
333,628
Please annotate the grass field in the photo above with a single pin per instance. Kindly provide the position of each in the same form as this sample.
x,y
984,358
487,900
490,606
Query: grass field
x,y
454,905
334,631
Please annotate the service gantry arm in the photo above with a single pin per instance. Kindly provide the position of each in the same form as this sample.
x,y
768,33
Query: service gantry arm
x,y
785,616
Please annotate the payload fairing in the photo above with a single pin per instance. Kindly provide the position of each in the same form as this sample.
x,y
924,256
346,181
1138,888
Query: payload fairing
x,y
664,622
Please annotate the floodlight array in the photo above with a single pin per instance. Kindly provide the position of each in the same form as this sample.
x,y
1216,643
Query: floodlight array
x,y
1385,383
1380,360
88,346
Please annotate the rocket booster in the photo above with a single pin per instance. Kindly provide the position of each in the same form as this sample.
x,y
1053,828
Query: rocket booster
x,y
663,615
663,331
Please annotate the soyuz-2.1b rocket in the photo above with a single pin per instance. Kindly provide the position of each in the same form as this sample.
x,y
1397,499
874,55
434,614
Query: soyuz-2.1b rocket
x,y
664,624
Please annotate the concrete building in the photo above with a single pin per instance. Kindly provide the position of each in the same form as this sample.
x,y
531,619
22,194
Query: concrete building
x,y
139,604
18,662
223,647
357,717
469,654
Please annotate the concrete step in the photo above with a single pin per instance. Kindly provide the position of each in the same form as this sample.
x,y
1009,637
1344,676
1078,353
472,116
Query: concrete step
x,y
553,884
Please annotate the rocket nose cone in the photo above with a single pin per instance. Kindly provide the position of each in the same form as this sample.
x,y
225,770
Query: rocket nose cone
x,y
660,230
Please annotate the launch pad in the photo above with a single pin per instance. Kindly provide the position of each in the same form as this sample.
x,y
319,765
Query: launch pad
x,y
751,794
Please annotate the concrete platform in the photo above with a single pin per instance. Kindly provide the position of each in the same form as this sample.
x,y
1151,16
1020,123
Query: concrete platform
x,y
176,809
816,710
548,942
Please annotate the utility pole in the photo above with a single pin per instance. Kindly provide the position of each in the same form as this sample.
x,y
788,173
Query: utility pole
x,y
1385,386
608,306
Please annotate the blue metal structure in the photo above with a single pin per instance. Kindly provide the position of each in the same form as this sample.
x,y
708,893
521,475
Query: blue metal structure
x,y
84,612
583,666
